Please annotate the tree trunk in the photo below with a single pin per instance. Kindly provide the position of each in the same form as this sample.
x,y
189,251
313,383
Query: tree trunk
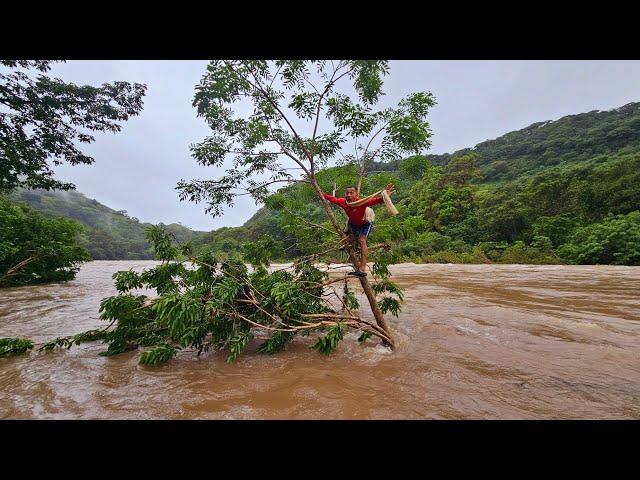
x,y
368,291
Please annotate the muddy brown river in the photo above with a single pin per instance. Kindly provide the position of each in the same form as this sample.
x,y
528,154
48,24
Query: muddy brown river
x,y
474,342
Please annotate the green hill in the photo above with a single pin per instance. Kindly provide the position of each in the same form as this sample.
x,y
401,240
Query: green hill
x,y
555,191
110,234
571,139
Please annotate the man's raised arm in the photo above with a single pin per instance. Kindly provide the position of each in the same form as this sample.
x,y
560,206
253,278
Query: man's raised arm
x,y
332,199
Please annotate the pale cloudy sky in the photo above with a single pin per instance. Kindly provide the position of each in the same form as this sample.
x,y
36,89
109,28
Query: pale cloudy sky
x,y
137,169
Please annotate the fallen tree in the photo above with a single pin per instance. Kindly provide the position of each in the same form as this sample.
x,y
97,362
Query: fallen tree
x,y
202,304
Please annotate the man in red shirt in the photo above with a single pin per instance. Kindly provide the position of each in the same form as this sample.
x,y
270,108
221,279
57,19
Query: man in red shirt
x,y
358,226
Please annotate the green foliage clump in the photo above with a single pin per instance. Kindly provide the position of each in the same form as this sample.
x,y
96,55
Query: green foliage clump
x,y
328,343
44,119
207,304
36,249
158,355
364,337
519,252
14,346
68,342
275,343
614,241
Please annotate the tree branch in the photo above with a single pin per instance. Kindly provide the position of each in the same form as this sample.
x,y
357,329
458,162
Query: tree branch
x,y
284,117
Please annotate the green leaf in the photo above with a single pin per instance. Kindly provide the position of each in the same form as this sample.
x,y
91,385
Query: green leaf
x,y
158,355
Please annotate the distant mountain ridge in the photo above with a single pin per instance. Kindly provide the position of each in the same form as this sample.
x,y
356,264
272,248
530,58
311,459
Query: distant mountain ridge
x,y
570,139
111,234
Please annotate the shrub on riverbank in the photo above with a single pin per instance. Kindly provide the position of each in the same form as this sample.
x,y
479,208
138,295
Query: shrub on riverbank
x,y
37,249
615,241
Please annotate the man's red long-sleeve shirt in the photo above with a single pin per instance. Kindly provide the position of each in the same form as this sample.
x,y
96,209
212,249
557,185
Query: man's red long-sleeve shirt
x,y
355,214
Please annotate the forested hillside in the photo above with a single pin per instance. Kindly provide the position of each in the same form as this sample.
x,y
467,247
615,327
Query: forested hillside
x,y
110,234
564,191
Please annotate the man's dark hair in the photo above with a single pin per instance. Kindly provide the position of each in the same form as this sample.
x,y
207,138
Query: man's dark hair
x,y
351,186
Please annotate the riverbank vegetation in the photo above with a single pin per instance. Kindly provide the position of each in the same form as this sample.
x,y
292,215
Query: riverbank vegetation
x,y
108,234
37,249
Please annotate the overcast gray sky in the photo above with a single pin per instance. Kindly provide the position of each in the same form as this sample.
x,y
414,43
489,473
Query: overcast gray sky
x,y
137,169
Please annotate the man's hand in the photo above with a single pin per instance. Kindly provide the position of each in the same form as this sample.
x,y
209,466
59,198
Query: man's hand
x,y
389,188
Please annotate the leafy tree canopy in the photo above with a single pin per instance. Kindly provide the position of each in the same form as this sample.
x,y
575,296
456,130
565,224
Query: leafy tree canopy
x,y
43,118
37,249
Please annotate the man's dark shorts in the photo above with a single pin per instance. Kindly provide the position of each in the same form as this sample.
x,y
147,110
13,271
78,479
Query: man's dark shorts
x,y
360,230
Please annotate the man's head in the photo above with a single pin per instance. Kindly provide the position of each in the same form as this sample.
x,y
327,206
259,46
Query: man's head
x,y
351,193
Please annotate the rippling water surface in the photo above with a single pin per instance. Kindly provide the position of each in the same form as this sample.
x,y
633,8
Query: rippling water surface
x,y
474,341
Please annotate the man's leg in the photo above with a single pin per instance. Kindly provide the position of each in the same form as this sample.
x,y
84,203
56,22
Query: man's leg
x,y
353,235
363,252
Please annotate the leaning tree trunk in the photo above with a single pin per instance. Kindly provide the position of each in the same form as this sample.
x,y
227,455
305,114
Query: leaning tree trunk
x,y
368,291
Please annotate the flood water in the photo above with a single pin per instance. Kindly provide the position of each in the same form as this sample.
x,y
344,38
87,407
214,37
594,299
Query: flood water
x,y
473,342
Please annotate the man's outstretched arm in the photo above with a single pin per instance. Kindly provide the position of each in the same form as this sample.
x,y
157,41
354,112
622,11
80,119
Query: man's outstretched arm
x,y
337,201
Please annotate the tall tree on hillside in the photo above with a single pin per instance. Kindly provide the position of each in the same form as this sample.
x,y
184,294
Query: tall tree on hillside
x,y
42,118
